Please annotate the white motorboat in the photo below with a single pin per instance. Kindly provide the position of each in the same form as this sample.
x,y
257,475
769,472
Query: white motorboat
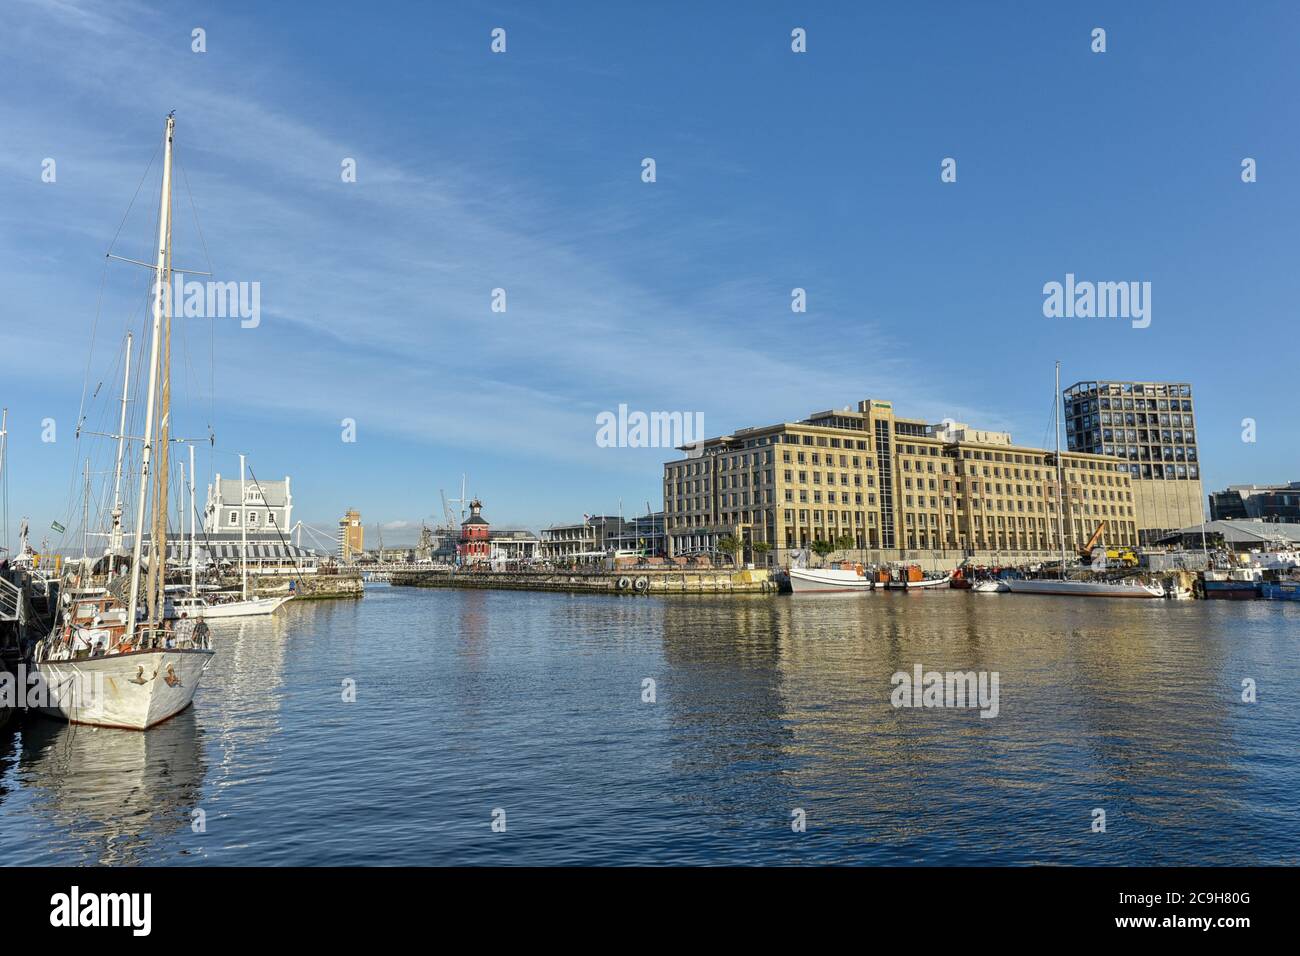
x,y
990,586
818,580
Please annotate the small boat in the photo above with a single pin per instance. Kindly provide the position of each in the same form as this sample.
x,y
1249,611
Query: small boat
x,y
911,578
1074,587
991,586
819,580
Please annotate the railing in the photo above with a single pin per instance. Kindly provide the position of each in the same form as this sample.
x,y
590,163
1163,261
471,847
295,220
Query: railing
x,y
10,599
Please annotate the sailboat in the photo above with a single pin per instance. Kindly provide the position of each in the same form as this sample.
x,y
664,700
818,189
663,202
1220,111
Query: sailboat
x,y
217,605
1075,587
113,660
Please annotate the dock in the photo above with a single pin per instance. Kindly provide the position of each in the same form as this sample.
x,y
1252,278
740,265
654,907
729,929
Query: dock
x,y
632,582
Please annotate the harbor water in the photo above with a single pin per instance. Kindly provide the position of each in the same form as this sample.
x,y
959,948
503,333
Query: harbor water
x,y
523,728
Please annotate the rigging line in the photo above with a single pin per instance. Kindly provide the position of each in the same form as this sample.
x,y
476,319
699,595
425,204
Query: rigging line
x,y
212,334
288,549
90,352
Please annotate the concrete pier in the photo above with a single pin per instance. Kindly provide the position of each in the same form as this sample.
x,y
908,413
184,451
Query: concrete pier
x,y
629,582
310,587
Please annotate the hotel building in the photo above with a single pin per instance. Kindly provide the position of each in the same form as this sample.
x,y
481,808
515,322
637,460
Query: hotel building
x,y
897,488
1152,427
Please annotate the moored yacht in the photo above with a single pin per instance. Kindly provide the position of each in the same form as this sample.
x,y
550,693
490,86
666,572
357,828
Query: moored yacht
x,y
1079,588
115,659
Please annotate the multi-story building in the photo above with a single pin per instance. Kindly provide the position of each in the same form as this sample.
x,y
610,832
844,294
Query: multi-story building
x,y
588,540
897,487
266,512
640,534
1151,425
514,544
1261,502
352,536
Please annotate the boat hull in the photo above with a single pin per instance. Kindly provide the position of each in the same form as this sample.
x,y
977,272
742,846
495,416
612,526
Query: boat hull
x,y
991,587
132,691
1280,591
253,608
919,585
827,580
1069,588
1231,590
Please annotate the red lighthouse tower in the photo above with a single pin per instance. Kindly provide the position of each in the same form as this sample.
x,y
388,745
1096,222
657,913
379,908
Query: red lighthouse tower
x,y
474,544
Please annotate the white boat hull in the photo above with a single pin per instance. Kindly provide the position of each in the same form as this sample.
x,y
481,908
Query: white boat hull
x,y
1068,588
826,580
251,608
990,587
133,691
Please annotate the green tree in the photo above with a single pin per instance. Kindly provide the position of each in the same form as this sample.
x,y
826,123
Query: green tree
x,y
822,548
844,542
761,548
732,546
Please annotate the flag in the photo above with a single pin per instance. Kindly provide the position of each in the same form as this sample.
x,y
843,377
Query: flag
x,y
58,527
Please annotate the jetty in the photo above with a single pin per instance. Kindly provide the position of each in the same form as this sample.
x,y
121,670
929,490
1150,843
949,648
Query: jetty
x,y
630,582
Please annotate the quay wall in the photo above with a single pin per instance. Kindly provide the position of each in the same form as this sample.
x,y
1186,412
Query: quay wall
x,y
310,587
632,582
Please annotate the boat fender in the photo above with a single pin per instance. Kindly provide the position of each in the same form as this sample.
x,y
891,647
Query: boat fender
x,y
642,583
624,584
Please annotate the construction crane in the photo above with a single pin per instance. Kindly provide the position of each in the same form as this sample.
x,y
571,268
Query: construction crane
x,y
446,510
1126,557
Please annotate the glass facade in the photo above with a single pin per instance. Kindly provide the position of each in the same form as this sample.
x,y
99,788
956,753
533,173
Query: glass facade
x,y
1151,425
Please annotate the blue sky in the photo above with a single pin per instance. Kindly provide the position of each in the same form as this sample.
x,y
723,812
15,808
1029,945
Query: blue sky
x,y
522,171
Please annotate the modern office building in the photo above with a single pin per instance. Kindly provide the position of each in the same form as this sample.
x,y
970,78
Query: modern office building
x,y
1152,427
1261,502
895,487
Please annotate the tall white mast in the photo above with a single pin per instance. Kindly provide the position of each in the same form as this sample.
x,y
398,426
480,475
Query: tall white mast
x,y
194,567
1060,467
85,508
243,531
159,306
115,532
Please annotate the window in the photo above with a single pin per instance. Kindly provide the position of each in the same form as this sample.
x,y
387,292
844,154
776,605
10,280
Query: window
x,y
234,517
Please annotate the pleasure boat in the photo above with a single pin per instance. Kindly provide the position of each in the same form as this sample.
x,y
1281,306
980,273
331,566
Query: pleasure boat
x,y
819,580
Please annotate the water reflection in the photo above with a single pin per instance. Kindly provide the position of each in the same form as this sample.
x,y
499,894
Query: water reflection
x,y
107,796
